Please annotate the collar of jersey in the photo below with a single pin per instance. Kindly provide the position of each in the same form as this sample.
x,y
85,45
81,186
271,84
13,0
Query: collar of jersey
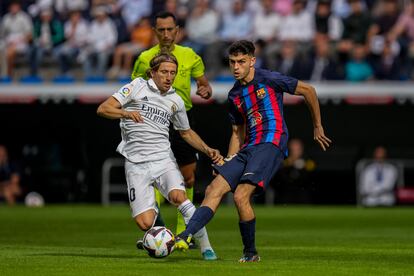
x,y
153,87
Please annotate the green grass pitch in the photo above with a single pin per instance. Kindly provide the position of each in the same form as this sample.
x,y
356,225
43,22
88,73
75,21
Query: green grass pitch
x,y
94,240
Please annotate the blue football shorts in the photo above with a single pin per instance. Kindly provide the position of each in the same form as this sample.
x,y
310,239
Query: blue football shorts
x,y
255,165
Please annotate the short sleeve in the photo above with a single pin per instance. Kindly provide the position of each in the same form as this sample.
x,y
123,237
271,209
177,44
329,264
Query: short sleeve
x,y
284,83
236,118
124,94
179,118
197,70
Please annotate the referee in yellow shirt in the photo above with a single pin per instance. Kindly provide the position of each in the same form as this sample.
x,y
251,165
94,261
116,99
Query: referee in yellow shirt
x,y
190,65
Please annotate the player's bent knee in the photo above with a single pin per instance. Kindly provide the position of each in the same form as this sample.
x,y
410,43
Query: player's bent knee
x,y
144,225
176,197
241,199
145,220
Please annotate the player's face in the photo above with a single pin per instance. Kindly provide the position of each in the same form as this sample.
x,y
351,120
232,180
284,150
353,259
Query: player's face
x,y
166,31
241,65
164,76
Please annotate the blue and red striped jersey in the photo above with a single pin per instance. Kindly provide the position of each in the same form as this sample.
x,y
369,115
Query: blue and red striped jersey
x,y
259,105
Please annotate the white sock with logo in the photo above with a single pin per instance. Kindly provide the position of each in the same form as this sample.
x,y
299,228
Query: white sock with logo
x,y
187,209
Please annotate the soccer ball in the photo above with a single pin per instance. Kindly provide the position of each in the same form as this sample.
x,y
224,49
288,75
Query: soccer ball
x,y
159,242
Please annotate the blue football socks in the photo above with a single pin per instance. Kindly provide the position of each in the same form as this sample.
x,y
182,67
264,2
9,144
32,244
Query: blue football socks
x,y
248,232
199,219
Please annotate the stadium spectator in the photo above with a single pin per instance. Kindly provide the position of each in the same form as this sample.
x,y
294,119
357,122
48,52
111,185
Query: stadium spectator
x,y
236,24
383,23
294,178
299,25
403,32
76,34
133,10
115,13
291,62
283,7
266,24
65,7
110,5
100,43
358,69
327,24
323,64
201,27
377,181
221,6
9,178
141,39
47,34
355,28
341,8
16,32
388,65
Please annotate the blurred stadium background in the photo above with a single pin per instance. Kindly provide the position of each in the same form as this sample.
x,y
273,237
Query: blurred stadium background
x,y
358,54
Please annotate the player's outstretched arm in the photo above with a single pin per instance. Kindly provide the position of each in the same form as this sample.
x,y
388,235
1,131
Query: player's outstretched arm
x,y
112,109
203,88
309,93
191,137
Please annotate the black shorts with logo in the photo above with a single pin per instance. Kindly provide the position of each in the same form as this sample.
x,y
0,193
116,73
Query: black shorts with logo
x,y
183,152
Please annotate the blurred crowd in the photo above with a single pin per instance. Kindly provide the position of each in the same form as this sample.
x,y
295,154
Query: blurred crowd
x,y
354,40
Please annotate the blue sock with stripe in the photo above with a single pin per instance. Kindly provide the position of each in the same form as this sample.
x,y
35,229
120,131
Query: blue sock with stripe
x,y
248,232
200,218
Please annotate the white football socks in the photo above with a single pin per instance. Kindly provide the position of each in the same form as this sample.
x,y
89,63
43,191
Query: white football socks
x,y
187,209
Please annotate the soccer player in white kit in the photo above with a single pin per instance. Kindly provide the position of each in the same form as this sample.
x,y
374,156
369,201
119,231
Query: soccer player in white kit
x,y
146,109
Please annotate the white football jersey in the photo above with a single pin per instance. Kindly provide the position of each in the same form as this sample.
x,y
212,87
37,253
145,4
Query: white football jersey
x,y
149,141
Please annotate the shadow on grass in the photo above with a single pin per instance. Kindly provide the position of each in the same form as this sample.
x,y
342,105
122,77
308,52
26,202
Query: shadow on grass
x,y
114,256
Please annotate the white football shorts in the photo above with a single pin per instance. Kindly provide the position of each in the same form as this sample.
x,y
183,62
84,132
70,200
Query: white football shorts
x,y
143,177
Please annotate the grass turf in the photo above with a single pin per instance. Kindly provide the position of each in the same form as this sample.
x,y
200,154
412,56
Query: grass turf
x,y
94,240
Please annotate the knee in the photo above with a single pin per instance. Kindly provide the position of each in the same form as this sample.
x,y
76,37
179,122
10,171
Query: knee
x,y
176,197
241,199
144,223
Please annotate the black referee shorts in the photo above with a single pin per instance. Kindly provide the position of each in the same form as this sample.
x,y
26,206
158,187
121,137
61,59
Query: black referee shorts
x,y
183,152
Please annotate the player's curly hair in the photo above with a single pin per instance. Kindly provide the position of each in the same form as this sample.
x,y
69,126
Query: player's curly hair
x,y
158,59
244,47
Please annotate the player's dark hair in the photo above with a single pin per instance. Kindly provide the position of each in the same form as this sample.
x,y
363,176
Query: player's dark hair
x,y
164,15
244,47
158,59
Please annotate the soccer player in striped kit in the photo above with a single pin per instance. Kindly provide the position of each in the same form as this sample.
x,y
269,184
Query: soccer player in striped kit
x,y
258,144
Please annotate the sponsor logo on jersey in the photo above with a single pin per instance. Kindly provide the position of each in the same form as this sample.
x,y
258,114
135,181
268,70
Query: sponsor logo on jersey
x,y
261,93
255,119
